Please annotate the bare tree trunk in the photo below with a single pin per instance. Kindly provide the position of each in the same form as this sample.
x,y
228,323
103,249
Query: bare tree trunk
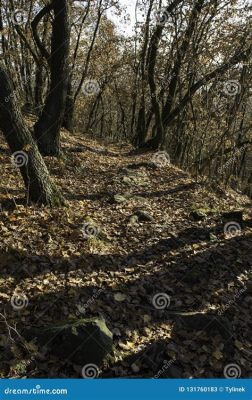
x,y
25,153
141,120
157,140
68,120
47,129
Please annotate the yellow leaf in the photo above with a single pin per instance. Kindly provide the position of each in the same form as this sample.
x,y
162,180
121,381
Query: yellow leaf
x,y
120,296
146,318
4,296
217,354
31,347
27,147
72,292
239,345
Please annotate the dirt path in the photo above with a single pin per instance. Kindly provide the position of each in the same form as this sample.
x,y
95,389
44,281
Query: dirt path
x,y
97,249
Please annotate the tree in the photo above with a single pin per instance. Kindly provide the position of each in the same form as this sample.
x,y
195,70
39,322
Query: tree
x,y
73,92
172,107
47,128
40,188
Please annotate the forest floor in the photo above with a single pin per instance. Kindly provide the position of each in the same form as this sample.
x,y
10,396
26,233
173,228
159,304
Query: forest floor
x,y
177,247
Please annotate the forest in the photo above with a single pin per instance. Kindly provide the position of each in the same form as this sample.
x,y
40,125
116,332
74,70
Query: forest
x,y
125,189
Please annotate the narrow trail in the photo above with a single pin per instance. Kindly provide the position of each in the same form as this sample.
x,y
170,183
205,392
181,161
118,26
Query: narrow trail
x,y
131,230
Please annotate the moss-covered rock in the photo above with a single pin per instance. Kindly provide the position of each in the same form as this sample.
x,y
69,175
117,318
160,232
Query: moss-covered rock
x,y
81,342
135,178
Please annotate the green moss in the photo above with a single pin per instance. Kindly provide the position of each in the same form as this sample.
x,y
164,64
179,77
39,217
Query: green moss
x,y
57,199
204,209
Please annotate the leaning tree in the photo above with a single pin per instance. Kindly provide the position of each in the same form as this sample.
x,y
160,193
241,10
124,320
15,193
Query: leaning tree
x,y
40,188
46,138
173,75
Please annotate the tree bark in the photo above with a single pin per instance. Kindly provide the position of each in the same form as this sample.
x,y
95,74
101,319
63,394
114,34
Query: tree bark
x,y
38,96
47,128
156,141
40,189
235,59
68,120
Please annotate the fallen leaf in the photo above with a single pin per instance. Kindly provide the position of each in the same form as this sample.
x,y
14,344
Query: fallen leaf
x,y
120,297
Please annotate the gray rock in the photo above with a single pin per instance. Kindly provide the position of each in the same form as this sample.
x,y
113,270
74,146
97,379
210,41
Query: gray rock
x,y
128,180
135,180
126,197
143,216
81,342
133,219
119,198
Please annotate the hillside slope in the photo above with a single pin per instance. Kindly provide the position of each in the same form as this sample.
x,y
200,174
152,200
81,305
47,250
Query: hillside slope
x,y
131,230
